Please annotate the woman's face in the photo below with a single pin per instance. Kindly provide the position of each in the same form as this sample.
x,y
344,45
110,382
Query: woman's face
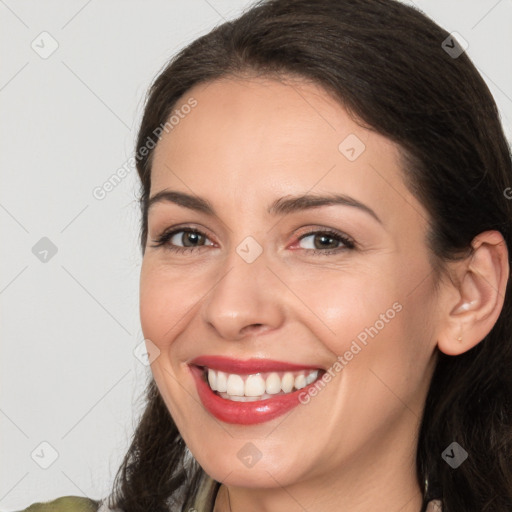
x,y
270,277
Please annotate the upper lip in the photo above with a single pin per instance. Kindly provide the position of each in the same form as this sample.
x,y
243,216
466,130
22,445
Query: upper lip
x,y
247,366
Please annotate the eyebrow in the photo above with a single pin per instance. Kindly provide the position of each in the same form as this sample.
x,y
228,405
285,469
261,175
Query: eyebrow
x,y
281,206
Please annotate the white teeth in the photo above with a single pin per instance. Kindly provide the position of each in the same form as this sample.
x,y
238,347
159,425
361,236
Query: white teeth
x,y
252,387
300,381
287,382
236,398
235,385
311,377
212,378
222,382
273,384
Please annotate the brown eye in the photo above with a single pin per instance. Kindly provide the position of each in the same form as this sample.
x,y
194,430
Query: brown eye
x,y
181,240
189,238
326,242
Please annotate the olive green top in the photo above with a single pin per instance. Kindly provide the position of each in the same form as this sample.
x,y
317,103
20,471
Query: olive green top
x,y
202,502
78,504
65,504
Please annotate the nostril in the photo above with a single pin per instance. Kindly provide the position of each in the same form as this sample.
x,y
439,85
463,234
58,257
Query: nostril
x,y
254,327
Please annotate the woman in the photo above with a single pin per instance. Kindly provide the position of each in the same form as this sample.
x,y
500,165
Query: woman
x,y
325,289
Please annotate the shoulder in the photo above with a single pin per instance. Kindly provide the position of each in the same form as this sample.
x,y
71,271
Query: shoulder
x,y
65,504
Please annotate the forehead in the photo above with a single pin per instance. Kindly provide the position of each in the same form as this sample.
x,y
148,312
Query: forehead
x,y
265,116
273,138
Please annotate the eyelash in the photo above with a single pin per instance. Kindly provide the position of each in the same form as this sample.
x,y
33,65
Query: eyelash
x,y
164,238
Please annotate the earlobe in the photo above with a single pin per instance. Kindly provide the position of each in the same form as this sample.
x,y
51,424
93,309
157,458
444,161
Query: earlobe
x,y
481,285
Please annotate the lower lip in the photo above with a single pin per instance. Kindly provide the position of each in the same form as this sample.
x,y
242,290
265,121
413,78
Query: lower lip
x,y
244,413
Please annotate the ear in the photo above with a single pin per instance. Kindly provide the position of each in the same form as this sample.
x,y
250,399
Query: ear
x,y
476,295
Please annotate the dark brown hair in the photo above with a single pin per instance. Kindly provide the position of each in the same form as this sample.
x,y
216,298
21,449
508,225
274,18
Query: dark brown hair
x,y
385,63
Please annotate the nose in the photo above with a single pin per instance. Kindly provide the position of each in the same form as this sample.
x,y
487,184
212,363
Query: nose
x,y
244,301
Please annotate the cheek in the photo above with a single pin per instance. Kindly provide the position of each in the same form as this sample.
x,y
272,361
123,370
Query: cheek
x,y
348,306
387,345
154,315
165,299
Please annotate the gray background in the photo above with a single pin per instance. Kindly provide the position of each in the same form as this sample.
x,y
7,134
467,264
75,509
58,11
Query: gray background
x,y
69,320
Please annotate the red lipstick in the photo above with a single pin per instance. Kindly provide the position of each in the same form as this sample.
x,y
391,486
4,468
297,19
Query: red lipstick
x,y
248,366
245,413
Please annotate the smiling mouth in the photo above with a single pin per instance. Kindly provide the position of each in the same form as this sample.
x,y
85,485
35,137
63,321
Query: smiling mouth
x,y
251,391
257,386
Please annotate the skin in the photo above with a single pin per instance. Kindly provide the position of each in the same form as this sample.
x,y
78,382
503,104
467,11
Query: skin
x,y
353,446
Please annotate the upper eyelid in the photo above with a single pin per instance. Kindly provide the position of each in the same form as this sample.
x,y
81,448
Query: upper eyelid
x,y
176,229
308,231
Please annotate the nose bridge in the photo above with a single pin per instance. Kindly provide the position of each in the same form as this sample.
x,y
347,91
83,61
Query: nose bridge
x,y
243,297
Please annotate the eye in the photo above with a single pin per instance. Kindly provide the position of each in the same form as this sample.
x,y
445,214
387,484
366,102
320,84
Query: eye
x,y
191,240
326,242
